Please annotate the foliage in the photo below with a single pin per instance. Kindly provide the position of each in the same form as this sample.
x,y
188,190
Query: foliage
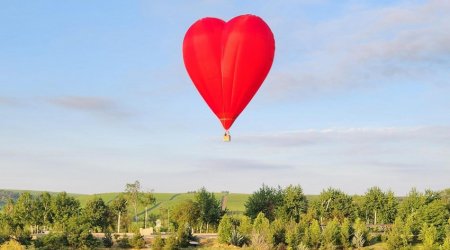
x,y
315,234
107,240
133,191
63,208
345,233
334,203
435,213
360,233
238,239
265,200
124,242
379,207
186,212
293,234
51,241
261,227
400,235
119,207
158,243
428,235
171,243
96,213
278,232
11,245
137,241
294,203
331,234
225,229
209,208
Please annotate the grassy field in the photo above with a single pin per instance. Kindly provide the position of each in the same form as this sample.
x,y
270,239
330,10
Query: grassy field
x,y
234,202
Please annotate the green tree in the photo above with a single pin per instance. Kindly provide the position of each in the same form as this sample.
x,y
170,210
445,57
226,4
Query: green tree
x,y
45,200
97,214
133,195
335,204
346,233
315,234
360,233
400,235
390,208
23,209
428,236
148,199
331,234
436,214
294,203
261,226
64,207
374,201
209,208
411,203
265,200
119,207
186,212
261,234
225,229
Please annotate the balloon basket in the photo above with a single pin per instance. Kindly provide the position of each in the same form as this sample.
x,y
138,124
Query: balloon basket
x,y
226,137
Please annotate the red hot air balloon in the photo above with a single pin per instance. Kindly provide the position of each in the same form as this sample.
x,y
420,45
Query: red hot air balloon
x,y
228,62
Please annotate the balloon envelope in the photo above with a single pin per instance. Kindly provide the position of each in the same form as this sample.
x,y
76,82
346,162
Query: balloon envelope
x,y
228,62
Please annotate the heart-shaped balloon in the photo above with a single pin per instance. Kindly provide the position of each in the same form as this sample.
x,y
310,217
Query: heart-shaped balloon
x,y
228,62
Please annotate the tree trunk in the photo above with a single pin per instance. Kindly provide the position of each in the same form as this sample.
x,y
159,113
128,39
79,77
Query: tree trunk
x,y
118,223
135,213
145,220
207,227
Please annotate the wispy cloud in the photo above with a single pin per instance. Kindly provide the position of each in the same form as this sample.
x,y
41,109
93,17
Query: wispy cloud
x,y
93,105
7,101
365,46
240,165
353,136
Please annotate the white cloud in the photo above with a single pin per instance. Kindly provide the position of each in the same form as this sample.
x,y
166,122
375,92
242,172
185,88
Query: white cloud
x,y
364,46
94,105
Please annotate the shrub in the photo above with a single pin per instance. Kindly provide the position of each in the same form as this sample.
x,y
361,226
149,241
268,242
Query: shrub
x,y
124,242
11,245
238,239
171,243
331,234
428,235
158,243
225,229
51,241
107,240
137,241
345,233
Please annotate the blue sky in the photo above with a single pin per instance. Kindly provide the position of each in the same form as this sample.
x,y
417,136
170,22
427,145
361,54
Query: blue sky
x,y
94,95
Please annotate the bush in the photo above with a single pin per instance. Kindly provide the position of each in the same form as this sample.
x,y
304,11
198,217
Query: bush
x,y
158,243
51,241
400,235
124,242
171,243
331,234
225,229
11,245
238,239
107,240
428,235
137,241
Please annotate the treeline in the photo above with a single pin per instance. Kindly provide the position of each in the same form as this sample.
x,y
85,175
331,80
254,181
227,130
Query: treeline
x,y
274,218
278,218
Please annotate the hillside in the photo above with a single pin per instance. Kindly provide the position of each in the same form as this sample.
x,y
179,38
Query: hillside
x,y
234,201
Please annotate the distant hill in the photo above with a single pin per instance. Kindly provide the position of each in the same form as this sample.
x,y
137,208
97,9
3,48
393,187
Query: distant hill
x,y
234,201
